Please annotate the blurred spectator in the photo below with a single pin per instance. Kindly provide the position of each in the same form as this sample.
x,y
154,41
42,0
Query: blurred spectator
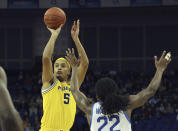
x,y
26,124
170,109
153,101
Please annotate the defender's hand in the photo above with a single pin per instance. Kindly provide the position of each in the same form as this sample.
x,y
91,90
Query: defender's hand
x,y
163,62
75,30
70,56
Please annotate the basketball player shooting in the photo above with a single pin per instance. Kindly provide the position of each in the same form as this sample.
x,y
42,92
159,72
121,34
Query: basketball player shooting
x,y
113,111
59,106
10,118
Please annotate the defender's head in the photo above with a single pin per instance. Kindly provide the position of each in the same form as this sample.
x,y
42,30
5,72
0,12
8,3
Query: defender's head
x,y
62,69
111,101
104,87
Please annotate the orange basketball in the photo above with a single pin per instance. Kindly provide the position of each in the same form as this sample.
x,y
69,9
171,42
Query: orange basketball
x,y
54,17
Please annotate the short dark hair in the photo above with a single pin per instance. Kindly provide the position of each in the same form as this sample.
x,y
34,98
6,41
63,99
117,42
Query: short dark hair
x,y
111,100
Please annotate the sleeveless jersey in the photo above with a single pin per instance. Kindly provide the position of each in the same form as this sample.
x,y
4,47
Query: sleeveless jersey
x,y
100,122
59,107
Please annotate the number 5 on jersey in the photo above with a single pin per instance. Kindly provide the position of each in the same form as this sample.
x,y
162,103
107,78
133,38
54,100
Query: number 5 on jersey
x,y
66,98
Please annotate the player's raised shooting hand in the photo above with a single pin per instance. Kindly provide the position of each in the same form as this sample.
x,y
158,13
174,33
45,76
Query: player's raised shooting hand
x,y
56,32
70,56
163,62
75,30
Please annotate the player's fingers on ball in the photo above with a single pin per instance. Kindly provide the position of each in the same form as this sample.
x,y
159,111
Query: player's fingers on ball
x,y
49,29
58,28
61,25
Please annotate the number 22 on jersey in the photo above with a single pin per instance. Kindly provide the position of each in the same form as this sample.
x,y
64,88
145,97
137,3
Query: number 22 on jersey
x,y
105,119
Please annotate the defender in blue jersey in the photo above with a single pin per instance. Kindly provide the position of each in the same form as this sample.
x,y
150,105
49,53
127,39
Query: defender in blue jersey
x,y
112,112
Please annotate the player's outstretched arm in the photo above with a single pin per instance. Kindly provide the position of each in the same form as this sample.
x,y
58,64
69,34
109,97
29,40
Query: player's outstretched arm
x,y
141,98
82,101
10,118
82,69
47,72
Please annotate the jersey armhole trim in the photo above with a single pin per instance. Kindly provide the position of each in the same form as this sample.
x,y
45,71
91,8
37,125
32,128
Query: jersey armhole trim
x,y
127,117
50,88
91,115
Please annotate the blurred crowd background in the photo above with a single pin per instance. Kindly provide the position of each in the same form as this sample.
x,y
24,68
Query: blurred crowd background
x,y
120,38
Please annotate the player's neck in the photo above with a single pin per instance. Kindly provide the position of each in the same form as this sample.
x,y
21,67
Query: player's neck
x,y
62,80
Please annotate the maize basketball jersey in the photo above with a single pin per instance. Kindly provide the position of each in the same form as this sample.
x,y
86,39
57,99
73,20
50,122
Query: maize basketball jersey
x,y
59,107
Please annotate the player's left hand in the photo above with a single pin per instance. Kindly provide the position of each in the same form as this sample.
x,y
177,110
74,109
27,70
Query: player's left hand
x,y
70,56
75,29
